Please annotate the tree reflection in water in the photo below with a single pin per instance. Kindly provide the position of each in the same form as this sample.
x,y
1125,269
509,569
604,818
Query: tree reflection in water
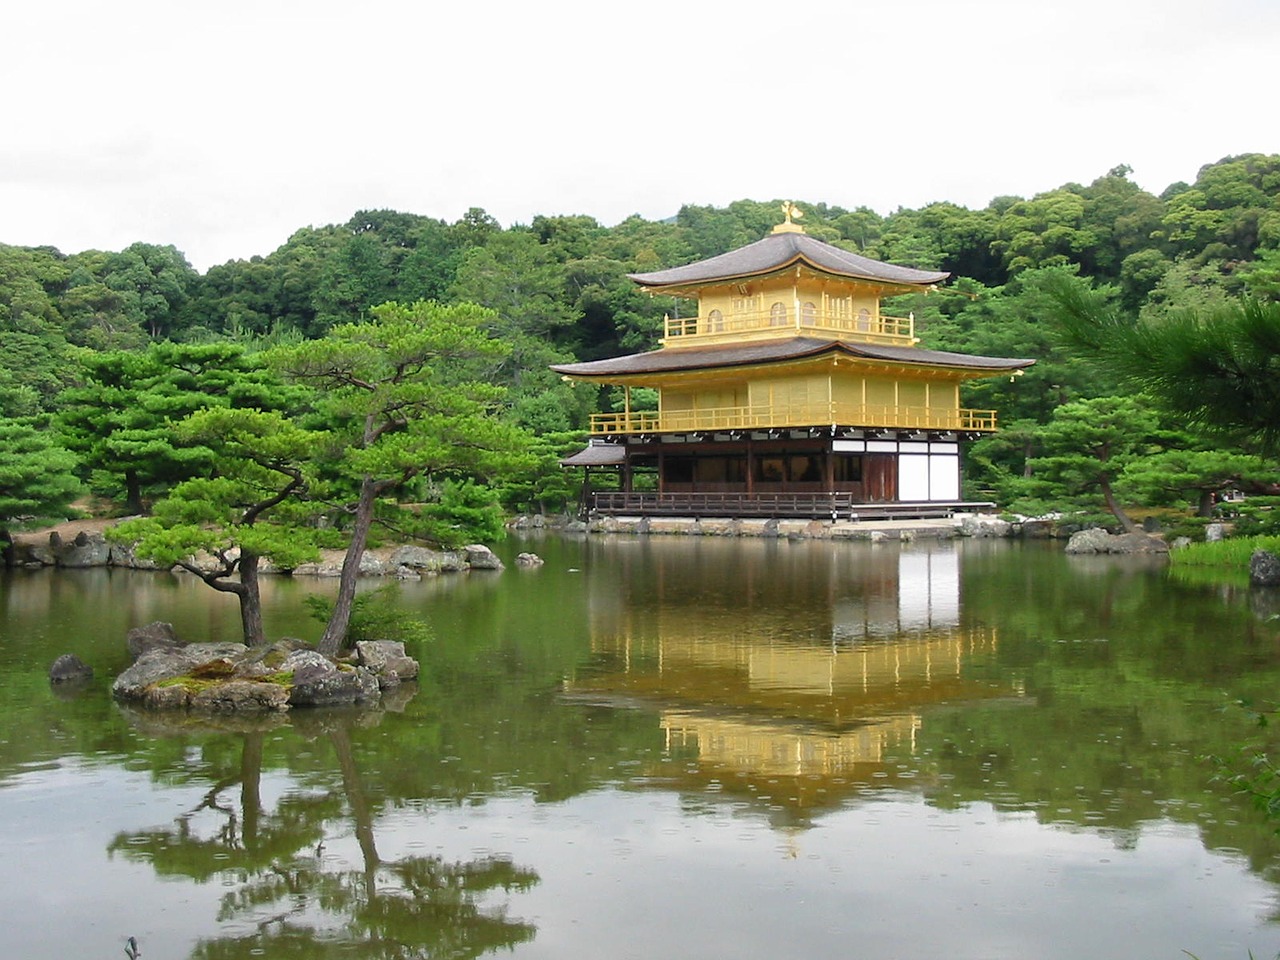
x,y
288,898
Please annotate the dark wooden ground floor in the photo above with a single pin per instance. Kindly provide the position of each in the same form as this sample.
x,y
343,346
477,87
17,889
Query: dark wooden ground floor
x,y
819,472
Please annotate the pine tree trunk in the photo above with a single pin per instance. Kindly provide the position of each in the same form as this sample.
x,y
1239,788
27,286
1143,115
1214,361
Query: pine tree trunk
x,y
335,632
250,601
1206,503
1114,506
132,493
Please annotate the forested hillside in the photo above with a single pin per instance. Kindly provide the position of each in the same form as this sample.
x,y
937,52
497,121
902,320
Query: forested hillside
x,y
558,290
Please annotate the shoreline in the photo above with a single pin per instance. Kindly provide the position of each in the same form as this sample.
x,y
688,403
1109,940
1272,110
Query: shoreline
x,y
82,543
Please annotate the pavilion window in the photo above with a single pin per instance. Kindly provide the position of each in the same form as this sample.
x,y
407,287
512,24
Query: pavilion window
x,y
847,468
778,315
771,469
805,467
715,321
678,469
809,314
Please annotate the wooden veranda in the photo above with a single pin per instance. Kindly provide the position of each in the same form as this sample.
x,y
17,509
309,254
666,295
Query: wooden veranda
x,y
815,506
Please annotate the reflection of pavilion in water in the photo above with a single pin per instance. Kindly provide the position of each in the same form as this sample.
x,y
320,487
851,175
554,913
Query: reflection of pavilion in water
x,y
809,695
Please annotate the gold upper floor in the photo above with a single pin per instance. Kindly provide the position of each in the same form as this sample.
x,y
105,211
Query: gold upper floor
x,y
800,302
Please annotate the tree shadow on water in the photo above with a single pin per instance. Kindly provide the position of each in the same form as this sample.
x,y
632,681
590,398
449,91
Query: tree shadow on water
x,y
288,898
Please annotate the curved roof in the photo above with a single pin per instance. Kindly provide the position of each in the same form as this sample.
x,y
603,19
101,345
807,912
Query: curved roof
x,y
780,250
772,351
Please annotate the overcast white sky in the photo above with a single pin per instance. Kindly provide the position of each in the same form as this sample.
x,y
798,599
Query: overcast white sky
x,y
222,127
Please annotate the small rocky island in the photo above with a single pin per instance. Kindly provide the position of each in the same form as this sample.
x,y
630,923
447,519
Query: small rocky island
x,y
229,677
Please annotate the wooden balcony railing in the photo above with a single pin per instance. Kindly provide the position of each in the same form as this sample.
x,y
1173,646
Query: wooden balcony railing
x,y
829,505
872,329
762,417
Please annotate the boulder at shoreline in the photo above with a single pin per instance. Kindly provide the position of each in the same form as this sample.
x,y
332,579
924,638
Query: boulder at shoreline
x,y
1097,540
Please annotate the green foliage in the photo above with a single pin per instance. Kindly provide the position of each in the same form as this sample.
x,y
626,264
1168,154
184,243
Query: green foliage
x,y
375,615
466,512
407,395
545,486
1087,446
37,477
1012,321
407,398
121,419
1262,277
1233,552
559,291
1219,371
1190,477
217,516
152,284
1256,516
255,506
1249,770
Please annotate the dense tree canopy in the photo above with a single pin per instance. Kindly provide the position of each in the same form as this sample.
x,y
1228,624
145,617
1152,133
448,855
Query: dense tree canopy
x,y
407,398
83,335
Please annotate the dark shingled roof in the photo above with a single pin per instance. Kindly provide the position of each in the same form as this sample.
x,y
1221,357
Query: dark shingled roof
x,y
597,455
767,351
780,250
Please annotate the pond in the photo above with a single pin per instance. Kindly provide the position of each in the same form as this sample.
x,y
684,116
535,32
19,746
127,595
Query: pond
x,y
664,747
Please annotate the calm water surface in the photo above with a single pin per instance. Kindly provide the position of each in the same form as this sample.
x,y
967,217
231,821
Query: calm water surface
x,y
664,747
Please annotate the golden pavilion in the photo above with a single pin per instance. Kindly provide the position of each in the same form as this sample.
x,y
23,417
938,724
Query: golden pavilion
x,y
789,393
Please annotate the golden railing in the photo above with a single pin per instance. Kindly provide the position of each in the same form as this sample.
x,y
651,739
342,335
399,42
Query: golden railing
x,y
875,329
764,416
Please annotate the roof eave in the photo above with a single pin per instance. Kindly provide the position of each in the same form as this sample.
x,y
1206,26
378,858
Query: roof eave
x,y
799,258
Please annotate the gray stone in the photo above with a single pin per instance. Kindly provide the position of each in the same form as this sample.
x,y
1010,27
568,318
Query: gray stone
x,y
69,668
480,557
173,697
415,558
374,654
1180,543
427,561
387,661
1037,529
982,526
371,566
528,560
1134,543
1097,540
266,660
165,663
155,634
46,556
1093,540
303,659
241,695
318,684
326,568
87,550
123,555
1264,569
1214,532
